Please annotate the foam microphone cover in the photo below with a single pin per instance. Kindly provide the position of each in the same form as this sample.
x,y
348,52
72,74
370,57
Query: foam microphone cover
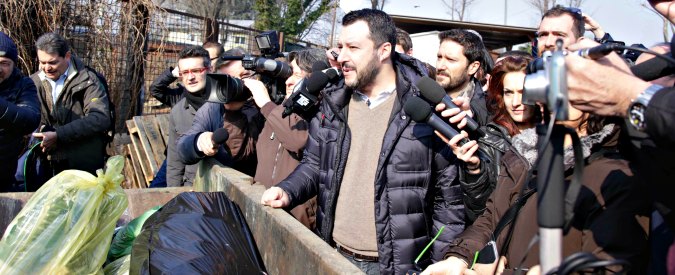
x,y
653,69
431,90
320,66
418,109
220,136
316,81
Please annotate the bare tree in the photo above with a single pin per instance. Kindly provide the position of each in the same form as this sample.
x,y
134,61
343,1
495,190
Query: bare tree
x,y
544,5
458,8
377,4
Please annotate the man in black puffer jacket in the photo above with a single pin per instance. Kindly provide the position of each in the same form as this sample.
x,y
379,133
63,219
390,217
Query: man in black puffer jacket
x,y
385,185
19,111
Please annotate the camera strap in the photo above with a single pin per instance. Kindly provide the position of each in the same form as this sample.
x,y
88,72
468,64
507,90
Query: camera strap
x,y
570,196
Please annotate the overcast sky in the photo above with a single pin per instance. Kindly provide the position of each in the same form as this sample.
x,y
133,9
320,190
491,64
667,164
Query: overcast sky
x,y
625,20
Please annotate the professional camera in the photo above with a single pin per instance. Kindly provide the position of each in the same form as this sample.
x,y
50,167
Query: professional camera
x,y
222,88
273,73
546,82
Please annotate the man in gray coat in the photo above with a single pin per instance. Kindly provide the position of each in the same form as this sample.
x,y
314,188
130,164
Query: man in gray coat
x,y
193,64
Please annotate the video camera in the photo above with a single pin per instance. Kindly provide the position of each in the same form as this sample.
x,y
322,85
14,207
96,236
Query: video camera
x,y
224,88
546,82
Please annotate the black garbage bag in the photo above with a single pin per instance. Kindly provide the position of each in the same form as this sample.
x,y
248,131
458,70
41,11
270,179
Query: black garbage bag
x,y
196,233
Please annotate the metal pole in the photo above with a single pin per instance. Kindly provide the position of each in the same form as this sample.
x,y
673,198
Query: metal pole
x,y
505,9
332,30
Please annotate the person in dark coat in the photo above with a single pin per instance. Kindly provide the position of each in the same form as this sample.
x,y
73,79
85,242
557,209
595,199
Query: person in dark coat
x,y
75,108
193,65
284,139
19,108
461,55
385,185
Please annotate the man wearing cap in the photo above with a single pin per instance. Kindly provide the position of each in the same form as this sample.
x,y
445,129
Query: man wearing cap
x,y
19,111
75,108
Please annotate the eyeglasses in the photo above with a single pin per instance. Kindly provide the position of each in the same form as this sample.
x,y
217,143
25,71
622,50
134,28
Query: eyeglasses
x,y
193,71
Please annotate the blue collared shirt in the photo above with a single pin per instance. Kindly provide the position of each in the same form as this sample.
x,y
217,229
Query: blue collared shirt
x,y
372,103
57,86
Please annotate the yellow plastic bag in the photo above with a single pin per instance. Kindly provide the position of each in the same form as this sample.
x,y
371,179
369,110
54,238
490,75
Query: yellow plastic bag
x,y
66,227
118,267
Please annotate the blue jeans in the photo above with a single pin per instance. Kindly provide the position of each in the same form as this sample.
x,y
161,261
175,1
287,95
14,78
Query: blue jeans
x,y
160,177
370,268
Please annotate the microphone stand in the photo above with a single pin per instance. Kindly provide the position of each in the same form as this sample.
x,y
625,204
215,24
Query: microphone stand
x,y
551,205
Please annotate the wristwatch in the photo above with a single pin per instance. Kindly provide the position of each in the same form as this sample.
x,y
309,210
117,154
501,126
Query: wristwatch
x,y
638,107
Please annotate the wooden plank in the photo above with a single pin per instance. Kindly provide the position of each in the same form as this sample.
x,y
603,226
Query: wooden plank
x,y
163,121
139,179
145,149
141,160
155,140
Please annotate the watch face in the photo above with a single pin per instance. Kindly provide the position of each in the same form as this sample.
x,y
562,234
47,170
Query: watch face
x,y
637,116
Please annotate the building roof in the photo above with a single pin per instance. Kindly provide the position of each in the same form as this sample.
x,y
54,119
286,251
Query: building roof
x,y
494,36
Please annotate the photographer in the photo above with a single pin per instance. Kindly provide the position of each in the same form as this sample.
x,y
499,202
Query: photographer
x,y
19,108
283,139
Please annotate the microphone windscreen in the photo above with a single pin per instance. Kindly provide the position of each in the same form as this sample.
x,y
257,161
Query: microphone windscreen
x,y
653,69
418,109
220,136
320,66
431,90
316,81
332,73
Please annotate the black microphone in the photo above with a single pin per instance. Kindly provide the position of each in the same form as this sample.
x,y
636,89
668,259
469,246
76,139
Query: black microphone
x,y
653,69
435,94
420,111
305,94
220,136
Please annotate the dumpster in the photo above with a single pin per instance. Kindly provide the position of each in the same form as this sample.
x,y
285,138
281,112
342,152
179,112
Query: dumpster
x,y
286,246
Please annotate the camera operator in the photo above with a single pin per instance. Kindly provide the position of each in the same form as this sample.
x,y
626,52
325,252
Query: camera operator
x,y
233,68
20,111
241,119
283,139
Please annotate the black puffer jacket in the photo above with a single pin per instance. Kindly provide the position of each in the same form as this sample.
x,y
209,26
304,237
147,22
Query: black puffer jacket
x,y
19,116
415,188
477,188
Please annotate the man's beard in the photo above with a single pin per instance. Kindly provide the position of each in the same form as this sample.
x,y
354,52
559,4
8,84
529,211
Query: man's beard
x,y
366,75
453,83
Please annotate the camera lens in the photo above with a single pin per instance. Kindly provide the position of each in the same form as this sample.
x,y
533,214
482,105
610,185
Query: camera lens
x,y
535,88
223,88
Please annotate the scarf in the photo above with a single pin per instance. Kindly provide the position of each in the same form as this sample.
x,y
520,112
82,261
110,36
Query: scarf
x,y
195,100
526,145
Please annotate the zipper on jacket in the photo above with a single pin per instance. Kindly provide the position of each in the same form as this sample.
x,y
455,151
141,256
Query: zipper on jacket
x,y
276,159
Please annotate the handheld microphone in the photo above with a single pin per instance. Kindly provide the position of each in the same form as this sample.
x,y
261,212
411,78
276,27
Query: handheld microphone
x,y
653,69
305,94
420,111
220,136
598,51
435,94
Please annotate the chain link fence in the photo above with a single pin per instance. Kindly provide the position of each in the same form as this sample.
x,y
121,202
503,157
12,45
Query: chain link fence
x,y
130,42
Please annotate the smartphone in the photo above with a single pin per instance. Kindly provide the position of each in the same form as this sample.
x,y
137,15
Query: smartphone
x,y
488,254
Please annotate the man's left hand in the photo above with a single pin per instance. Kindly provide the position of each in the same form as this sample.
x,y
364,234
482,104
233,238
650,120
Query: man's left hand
x,y
258,90
48,140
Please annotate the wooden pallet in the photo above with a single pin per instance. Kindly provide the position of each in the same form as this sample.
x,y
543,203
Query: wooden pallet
x,y
149,135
